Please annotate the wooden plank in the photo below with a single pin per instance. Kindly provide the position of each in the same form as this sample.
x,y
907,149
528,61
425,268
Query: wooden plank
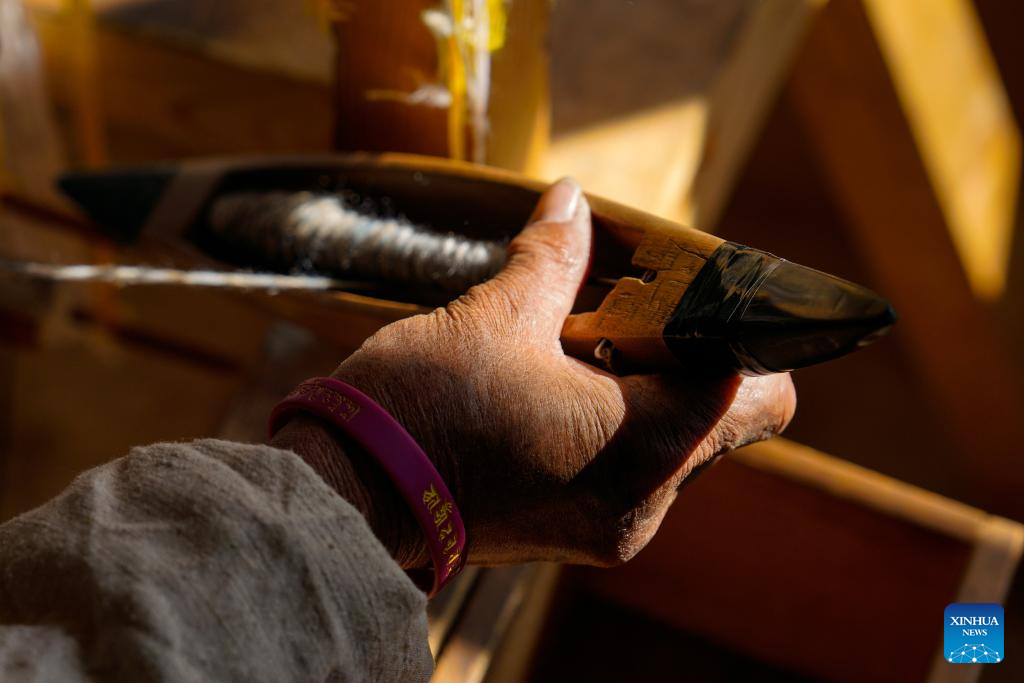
x,y
276,36
991,565
461,80
89,400
859,131
193,105
86,108
628,123
1001,21
784,204
780,534
519,110
672,131
953,99
498,630
90,387
513,660
445,609
30,149
740,101
645,160
385,53
883,496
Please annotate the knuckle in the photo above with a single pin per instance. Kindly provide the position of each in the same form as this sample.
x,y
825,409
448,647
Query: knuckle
x,y
733,434
775,410
482,306
728,435
399,337
610,553
621,540
460,310
787,404
767,409
539,251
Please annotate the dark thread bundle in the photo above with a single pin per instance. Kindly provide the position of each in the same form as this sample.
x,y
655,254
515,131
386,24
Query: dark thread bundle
x,y
317,233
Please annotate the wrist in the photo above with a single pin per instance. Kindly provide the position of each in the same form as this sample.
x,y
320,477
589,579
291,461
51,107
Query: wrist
x,y
407,403
357,478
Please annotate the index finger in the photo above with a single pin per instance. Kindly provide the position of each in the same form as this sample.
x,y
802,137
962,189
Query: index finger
x,y
685,422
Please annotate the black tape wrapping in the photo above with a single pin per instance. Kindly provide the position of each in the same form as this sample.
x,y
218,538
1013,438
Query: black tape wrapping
x,y
752,312
700,331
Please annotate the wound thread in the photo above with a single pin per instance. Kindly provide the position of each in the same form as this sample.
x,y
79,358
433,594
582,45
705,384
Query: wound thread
x,y
316,233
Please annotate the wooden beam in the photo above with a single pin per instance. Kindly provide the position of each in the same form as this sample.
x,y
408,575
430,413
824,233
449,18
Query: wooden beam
x,y
741,100
953,99
500,625
862,135
31,150
667,128
464,80
519,110
387,96
1001,22
158,100
777,535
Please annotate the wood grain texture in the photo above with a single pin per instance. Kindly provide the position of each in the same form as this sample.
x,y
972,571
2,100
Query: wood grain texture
x,y
633,316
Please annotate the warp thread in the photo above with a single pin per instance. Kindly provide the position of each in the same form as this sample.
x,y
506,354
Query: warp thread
x,y
318,233
131,275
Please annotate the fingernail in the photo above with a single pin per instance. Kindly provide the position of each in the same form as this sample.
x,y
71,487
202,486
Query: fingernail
x,y
558,203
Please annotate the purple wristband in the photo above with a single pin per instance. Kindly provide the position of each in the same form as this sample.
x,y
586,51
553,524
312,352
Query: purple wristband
x,y
413,474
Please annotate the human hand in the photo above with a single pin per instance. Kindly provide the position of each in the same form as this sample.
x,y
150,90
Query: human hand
x,y
548,458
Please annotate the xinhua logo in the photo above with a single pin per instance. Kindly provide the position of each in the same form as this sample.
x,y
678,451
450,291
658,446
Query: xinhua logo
x,y
973,633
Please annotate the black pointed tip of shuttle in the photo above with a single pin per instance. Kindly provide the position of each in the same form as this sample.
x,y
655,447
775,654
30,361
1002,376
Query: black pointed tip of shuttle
x,y
881,321
119,201
800,317
759,314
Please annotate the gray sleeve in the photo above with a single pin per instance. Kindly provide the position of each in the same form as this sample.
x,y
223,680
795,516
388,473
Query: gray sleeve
x,y
209,561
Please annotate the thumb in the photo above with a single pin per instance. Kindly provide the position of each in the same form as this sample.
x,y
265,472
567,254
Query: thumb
x,y
548,260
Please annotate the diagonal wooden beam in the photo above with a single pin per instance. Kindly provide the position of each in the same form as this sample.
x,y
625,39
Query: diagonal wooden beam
x,y
868,143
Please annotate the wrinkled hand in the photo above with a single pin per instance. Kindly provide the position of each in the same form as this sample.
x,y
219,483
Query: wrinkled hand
x,y
549,458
